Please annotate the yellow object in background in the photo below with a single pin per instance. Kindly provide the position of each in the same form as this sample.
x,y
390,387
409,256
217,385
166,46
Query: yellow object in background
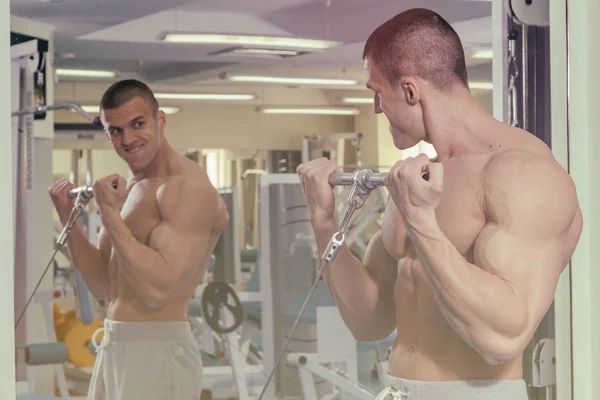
x,y
76,336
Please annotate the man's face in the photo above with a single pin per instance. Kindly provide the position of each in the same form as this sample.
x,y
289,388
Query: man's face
x,y
135,132
405,119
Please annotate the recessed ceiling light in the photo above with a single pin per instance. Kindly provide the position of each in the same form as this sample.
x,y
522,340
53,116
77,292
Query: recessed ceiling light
x,y
90,73
290,80
358,100
267,41
204,96
307,110
486,54
483,85
271,52
96,109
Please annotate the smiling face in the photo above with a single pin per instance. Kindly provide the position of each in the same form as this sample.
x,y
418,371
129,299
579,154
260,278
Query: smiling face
x,y
399,103
136,132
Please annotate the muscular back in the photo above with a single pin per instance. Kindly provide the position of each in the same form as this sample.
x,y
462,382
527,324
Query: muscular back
x,y
427,347
146,207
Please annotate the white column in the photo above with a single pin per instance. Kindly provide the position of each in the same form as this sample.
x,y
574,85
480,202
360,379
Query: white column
x,y
7,338
582,125
560,148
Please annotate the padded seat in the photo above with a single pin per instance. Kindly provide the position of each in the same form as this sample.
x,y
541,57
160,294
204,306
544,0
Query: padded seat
x,y
249,255
195,308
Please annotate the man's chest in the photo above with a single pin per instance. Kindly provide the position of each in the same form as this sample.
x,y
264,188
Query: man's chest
x,y
460,214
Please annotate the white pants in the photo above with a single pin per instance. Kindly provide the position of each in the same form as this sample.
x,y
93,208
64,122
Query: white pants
x,y
146,360
404,389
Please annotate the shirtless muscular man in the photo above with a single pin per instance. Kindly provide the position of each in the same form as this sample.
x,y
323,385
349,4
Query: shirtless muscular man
x,y
159,230
466,264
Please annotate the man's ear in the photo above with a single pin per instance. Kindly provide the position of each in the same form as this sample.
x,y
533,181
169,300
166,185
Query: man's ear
x,y
411,91
161,118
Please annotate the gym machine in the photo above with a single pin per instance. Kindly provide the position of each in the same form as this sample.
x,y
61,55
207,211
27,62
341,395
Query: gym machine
x,y
28,104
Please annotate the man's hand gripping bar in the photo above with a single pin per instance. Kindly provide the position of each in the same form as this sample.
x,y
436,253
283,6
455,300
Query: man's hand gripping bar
x,y
363,182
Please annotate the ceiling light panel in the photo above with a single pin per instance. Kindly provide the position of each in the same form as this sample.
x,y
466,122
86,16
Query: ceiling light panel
x,y
248,40
262,52
96,109
483,54
290,80
85,73
483,85
204,96
358,100
313,111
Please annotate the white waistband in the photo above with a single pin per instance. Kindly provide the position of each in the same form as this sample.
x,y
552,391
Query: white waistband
x,y
163,331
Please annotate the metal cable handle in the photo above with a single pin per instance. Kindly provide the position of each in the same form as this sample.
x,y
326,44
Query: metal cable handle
x,y
66,106
86,191
365,179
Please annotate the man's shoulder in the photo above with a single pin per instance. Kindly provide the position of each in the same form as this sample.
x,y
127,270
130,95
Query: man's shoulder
x,y
188,193
188,182
528,177
523,165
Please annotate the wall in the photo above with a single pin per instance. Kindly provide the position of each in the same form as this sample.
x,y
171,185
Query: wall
x,y
239,127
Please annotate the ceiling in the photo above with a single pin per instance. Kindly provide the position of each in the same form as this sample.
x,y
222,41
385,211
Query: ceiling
x,y
123,36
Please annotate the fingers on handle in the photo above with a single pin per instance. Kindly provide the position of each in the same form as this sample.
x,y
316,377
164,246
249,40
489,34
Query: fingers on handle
x,y
436,173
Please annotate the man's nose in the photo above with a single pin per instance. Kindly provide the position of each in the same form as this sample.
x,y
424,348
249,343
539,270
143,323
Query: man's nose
x,y
128,137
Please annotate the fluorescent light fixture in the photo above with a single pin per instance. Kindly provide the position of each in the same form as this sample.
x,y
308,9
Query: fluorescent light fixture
x,y
318,111
358,100
248,40
170,110
85,73
96,109
483,85
266,52
290,80
486,54
90,109
204,96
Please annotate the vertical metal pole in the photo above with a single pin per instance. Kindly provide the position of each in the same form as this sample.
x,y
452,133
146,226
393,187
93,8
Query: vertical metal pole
x,y
499,64
525,74
89,175
74,174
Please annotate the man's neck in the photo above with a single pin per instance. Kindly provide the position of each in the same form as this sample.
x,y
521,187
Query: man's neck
x,y
456,124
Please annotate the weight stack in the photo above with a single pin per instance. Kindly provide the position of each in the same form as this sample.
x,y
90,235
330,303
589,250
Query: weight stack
x,y
292,263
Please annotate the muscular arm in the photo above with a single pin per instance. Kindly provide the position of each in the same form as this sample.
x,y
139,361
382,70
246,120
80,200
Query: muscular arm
x,y
189,210
90,262
496,303
364,294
